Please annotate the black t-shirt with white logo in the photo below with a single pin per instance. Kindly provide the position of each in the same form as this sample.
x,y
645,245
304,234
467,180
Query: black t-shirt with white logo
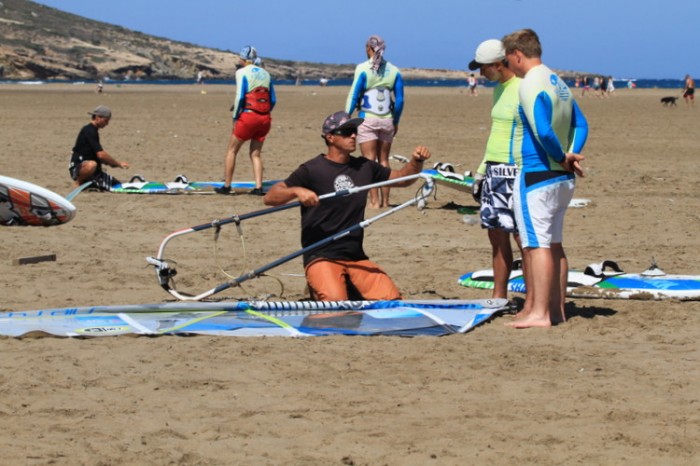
x,y
333,215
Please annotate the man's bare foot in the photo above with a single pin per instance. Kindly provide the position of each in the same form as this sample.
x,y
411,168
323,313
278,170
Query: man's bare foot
x,y
529,322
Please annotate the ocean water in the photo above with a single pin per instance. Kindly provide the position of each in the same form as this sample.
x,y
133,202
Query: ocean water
x,y
619,83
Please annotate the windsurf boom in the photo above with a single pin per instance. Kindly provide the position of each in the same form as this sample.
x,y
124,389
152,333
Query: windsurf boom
x,y
165,271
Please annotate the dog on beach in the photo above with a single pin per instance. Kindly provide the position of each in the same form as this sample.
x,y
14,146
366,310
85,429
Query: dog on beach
x,y
669,101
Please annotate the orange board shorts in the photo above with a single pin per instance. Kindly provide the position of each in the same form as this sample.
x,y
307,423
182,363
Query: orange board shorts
x,y
328,279
252,126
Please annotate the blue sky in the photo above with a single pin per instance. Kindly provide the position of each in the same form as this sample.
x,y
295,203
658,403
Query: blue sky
x,y
622,38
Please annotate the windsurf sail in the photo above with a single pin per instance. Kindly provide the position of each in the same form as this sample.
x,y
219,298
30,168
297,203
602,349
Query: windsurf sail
x,y
258,318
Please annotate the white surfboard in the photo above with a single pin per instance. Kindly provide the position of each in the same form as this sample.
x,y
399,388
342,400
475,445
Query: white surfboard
x,y
24,203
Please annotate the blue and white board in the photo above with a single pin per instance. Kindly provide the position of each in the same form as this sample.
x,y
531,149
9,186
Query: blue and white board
x,y
451,180
604,280
443,173
139,185
263,318
24,203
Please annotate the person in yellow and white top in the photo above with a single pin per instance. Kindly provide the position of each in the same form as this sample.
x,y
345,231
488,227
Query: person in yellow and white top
x,y
255,99
377,95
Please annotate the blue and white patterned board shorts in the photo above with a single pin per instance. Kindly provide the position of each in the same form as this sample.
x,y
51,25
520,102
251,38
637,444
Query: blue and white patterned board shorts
x,y
497,197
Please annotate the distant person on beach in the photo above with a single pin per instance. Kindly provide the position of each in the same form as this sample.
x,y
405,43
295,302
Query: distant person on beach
x,y
88,155
555,131
689,91
331,267
585,85
603,86
99,87
200,77
611,86
255,99
371,92
472,83
493,183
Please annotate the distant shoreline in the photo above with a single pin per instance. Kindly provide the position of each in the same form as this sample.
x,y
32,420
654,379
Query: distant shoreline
x,y
422,82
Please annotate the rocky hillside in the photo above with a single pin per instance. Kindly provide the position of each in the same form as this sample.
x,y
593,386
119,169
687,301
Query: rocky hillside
x,y
39,42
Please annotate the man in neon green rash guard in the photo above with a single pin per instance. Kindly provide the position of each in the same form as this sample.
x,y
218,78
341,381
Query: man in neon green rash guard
x,y
493,186
371,95
555,131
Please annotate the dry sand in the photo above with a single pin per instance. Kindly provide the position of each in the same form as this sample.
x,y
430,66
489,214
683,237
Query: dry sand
x,y
614,385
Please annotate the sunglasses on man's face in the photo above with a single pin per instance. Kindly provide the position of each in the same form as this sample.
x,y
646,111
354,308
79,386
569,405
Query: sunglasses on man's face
x,y
346,133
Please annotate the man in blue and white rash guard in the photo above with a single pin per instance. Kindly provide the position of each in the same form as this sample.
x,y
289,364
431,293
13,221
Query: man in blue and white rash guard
x,y
555,131
371,95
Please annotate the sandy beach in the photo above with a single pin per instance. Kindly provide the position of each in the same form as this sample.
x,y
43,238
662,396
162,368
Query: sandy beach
x,y
614,385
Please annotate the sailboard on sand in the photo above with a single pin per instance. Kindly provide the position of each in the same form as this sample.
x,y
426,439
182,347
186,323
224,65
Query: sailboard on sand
x,y
444,174
604,280
24,203
258,318
180,184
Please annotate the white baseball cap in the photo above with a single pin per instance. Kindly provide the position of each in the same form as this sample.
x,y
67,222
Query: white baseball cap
x,y
489,51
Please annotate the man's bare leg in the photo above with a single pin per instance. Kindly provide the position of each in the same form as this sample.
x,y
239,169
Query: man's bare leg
x,y
234,145
86,172
502,258
561,272
384,152
256,160
370,150
527,277
540,285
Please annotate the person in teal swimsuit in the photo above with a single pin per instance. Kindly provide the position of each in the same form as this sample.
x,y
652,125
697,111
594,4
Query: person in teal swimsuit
x,y
371,95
